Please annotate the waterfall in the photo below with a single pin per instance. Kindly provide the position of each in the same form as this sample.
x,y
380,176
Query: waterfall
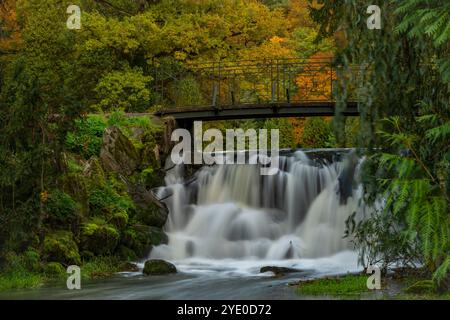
x,y
233,212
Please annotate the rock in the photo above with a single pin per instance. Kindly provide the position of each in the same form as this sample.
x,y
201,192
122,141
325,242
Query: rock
x,y
278,271
99,237
126,253
152,215
93,169
118,154
119,219
141,238
149,211
128,267
158,267
157,236
60,246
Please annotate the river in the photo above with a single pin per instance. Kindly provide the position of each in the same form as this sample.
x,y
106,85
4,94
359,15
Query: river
x,y
229,221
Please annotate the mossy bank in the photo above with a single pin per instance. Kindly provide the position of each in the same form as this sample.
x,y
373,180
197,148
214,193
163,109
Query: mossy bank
x,y
100,213
354,286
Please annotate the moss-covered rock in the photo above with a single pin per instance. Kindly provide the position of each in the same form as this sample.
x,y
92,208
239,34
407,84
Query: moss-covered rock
x,y
141,239
151,215
119,219
99,237
54,270
128,267
157,236
60,246
118,153
158,267
136,240
126,253
94,170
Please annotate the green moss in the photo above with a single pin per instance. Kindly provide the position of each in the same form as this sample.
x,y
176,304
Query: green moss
x,y
109,198
119,219
350,285
151,215
99,237
60,207
86,138
141,238
126,253
19,280
54,270
158,267
157,236
31,260
60,246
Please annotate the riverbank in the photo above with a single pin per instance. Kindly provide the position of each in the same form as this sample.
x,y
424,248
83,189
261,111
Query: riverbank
x,y
354,287
134,285
337,277
55,273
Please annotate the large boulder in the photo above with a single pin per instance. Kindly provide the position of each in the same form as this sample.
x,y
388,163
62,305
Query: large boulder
x,y
141,239
158,267
59,246
149,210
118,154
99,237
152,215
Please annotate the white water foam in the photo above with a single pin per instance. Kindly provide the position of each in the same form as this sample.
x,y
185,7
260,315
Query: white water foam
x,y
231,220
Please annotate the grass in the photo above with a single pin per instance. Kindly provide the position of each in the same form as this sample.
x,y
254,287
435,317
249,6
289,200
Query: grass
x,y
420,288
20,280
100,267
351,285
423,296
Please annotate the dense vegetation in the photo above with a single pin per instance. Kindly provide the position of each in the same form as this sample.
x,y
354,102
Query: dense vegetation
x,y
67,197
403,89
67,193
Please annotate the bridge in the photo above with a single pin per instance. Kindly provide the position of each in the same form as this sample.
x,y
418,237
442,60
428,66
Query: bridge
x,y
247,90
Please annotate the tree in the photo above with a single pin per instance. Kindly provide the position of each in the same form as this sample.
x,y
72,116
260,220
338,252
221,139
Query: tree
x,y
402,88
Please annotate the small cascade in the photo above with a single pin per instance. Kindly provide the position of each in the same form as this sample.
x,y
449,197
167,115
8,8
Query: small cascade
x,y
233,212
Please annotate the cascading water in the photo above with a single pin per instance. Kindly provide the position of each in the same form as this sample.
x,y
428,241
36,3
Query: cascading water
x,y
232,213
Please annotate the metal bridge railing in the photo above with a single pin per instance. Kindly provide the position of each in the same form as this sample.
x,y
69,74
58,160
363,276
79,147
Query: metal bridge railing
x,y
215,84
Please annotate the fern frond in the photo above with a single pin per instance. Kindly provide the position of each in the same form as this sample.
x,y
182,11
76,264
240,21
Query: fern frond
x,y
441,132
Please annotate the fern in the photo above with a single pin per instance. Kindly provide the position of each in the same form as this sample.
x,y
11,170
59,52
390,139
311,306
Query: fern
x,y
441,132
441,273
413,190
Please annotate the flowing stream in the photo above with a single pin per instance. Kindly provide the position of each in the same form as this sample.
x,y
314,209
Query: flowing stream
x,y
229,221
232,216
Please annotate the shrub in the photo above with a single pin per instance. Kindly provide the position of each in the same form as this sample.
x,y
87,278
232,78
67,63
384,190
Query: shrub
x,y
60,246
54,270
105,199
86,138
316,133
99,237
60,207
31,260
